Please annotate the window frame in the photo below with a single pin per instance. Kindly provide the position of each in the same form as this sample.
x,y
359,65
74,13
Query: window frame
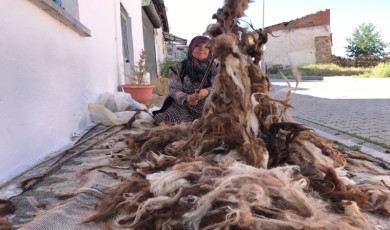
x,y
58,2
56,11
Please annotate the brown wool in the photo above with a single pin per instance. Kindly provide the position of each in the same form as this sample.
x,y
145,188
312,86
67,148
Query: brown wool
x,y
244,164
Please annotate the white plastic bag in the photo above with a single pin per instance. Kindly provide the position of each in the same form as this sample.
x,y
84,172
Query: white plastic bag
x,y
114,108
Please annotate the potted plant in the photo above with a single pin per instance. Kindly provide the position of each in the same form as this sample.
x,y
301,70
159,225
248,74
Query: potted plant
x,y
139,87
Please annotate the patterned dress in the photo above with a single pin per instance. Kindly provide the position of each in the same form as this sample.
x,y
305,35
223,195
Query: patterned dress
x,y
175,108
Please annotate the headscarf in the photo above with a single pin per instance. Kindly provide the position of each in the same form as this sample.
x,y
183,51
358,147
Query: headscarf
x,y
195,69
196,41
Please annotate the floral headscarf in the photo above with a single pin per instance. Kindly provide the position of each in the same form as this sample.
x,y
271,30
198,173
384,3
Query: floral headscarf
x,y
196,41
195,69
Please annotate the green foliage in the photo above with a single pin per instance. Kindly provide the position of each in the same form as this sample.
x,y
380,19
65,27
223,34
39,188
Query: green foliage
x,y
326,70
161,86
356,147
165,64
140,69
381,70
365,41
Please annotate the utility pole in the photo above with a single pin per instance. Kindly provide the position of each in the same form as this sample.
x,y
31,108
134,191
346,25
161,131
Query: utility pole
x,y
263,66
263,13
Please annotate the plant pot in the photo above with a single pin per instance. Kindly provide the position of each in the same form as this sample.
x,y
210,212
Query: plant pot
x,y
140,93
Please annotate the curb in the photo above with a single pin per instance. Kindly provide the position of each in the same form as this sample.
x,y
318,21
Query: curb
x,y
369,149
303,78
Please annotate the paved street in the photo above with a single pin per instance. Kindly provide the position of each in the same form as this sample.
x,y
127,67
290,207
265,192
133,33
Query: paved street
x,y
358,106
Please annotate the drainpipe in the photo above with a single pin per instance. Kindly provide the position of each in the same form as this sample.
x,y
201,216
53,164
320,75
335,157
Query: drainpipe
x,y
118,68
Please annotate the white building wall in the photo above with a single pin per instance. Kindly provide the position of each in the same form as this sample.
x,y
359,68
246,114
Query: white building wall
x,y
49,74
296,45
160,49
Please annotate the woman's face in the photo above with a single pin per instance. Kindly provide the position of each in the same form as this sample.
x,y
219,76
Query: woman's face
x,y
201,51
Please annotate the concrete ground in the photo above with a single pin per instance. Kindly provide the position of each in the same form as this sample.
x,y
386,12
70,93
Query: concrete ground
x,y
351,111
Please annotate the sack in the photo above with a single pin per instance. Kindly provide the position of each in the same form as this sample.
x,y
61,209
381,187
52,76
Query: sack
x,y
114,108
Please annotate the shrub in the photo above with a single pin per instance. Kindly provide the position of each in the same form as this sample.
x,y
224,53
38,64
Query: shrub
x,y
139,69
161,86
381,70
165,65
327,70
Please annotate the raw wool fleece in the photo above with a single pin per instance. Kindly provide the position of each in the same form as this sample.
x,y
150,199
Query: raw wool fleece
x,y
244,164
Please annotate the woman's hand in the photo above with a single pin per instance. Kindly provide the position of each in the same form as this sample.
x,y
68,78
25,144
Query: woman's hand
x,y
203,93
193,99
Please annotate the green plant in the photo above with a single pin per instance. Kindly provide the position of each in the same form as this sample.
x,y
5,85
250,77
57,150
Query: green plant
x,y
161,86
365,41
165,64
140,69
356,147
381,70
327,70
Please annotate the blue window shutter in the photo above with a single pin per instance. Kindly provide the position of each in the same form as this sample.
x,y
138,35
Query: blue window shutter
x,y
59,2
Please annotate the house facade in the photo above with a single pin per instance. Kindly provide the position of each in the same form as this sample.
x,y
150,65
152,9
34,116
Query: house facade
x,y
306,40
60,55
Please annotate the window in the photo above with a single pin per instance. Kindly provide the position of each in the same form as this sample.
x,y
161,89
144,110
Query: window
x,y
66,11
59,2
127,41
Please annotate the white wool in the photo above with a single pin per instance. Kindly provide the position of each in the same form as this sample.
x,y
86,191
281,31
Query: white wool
x,y
193,218
190,199
295,195
253,99
261,222
255,195
155,203
233,215
198,150
251,40
166,182
238,168
386,206
130,198
228,159
252,123
314,152
161,157
144,164
150,204
294,70
289,170
352,210
342,175
301,183
232,198
232,64
264,160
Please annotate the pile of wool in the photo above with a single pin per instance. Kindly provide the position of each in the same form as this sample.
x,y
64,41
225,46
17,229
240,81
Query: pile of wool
x,y
244,164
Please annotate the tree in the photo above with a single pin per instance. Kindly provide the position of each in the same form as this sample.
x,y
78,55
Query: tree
x,y
366,40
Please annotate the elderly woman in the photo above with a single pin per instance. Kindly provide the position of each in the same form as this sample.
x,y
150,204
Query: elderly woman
x,y
185,101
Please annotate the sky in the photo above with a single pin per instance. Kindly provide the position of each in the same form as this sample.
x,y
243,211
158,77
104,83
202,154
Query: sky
x,y
189,18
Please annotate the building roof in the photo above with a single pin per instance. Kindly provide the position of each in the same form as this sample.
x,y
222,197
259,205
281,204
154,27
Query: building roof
x,y
316,19
155,9
172,39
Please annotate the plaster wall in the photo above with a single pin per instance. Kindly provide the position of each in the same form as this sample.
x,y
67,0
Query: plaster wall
x,y
160,49
49,74
296,46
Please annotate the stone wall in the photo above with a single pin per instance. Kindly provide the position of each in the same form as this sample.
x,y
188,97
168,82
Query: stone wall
x,y
323,46
366,61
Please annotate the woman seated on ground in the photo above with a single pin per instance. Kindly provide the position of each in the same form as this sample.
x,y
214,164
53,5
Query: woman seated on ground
x,y
185,101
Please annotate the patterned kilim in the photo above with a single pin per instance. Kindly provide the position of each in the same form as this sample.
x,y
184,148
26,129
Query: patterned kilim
x,y
71,193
